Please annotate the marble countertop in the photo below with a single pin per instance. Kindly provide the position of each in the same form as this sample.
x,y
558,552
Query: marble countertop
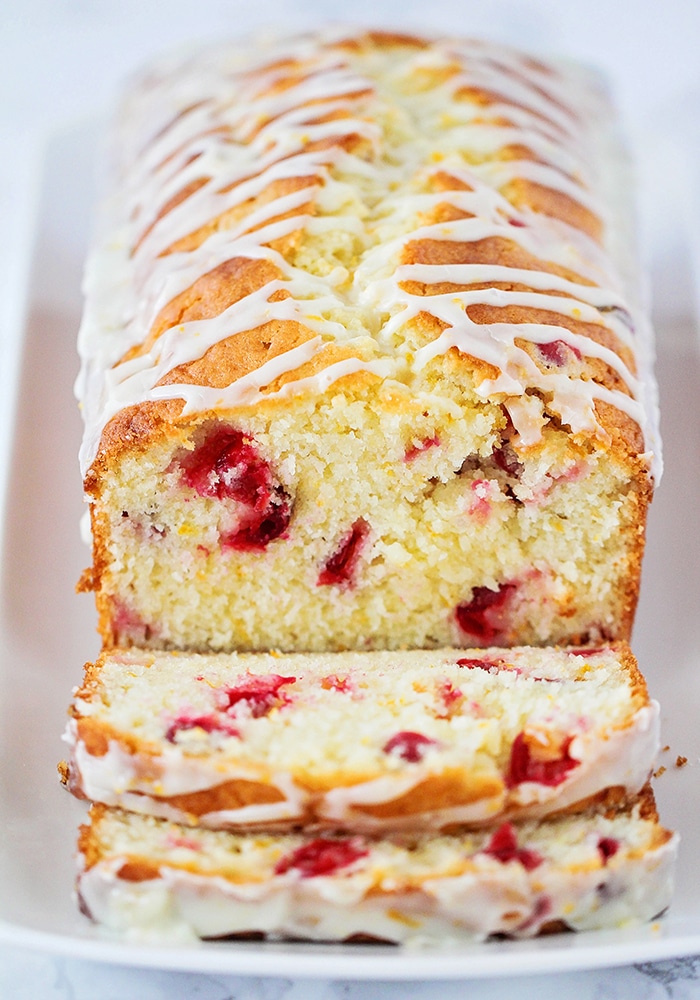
x,y
63,63
28,975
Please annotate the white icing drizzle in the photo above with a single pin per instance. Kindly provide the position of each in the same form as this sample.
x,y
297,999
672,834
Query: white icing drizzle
x,y
231,124
387,893
615,756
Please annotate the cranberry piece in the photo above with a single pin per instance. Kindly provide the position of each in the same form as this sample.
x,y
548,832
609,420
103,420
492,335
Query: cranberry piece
x,y
557,352
340,567
258,532
490,666
228,467
409,746
481,616
173,841
483,494
504,847
415,449
322,857
126,622
449,693
260,692
517,222
494,666
523,766
211,723
586,652
608,848
506,459
621,314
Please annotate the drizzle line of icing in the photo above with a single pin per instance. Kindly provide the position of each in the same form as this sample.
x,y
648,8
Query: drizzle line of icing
x,y
226,126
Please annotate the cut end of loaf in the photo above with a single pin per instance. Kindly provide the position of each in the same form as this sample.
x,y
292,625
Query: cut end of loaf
x,y
377,361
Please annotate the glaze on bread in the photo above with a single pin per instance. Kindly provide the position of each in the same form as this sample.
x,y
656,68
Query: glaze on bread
x,y
141,874
363,361
368,742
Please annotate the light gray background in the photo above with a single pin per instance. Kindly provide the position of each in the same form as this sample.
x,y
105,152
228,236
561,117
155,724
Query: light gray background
x,y
62,63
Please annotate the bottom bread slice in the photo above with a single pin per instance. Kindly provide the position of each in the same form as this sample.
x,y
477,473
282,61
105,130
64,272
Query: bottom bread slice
x,y
151,877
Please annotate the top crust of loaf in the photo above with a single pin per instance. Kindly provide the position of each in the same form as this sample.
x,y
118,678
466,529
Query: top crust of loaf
x,y
340,212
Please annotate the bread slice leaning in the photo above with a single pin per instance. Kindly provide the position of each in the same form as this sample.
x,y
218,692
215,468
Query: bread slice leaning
x,y
369,742
151,877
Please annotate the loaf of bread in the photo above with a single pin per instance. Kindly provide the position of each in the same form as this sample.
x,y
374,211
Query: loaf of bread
x,y
155,879
370,437
366,742
364,364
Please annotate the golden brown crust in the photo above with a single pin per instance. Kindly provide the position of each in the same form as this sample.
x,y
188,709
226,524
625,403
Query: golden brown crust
x,y
88,844
380,39
234,357
177,199
485,98
647,804
236,214
608,800
88,581
137,428
138,870
489,250
234,794
209,296
133,430
450,789
527,194
97,736
638,684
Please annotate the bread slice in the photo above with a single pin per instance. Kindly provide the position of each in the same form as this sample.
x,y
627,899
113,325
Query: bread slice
x,y
415,739
152,878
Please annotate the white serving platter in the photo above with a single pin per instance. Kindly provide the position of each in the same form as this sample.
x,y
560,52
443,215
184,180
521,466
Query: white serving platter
x,y
47,632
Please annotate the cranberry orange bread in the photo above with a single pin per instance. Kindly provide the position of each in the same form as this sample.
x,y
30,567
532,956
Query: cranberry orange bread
x,y
150,877
363,361
361,741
